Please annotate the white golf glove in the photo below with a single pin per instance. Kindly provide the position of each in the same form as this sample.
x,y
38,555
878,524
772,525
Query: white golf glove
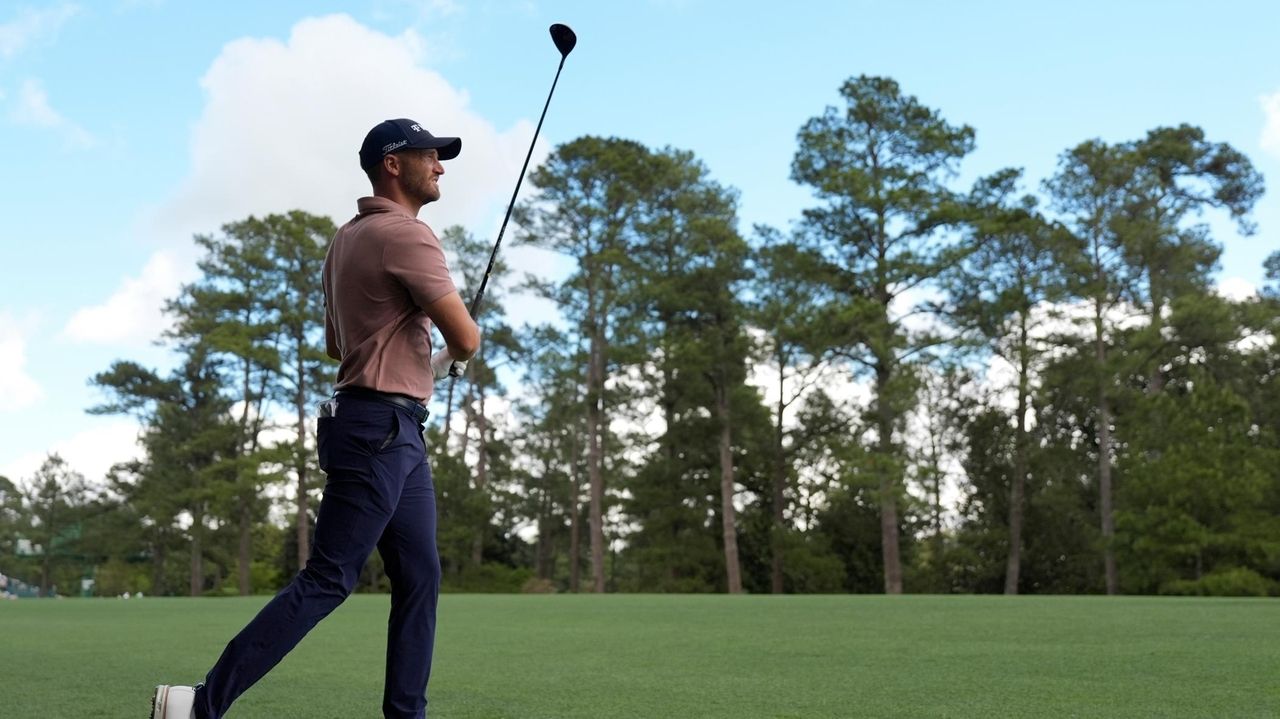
x,y
440,363
456,368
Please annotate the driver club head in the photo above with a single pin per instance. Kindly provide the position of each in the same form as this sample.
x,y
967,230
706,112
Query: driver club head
x,y
564,39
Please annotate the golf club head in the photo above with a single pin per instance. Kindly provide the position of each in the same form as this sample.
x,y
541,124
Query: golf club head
x,y
564,39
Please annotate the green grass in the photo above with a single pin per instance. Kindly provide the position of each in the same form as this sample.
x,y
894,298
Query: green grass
x,y
678,656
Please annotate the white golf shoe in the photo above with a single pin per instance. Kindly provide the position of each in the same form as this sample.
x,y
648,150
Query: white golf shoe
x,y
172,702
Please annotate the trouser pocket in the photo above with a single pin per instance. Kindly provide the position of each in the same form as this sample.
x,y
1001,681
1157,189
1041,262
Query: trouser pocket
x,y
392,433
359,431
324,426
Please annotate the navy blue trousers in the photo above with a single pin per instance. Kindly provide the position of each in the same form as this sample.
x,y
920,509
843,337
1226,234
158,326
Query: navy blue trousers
x,y
378,493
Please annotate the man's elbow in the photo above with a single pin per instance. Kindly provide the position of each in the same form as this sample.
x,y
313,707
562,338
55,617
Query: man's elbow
x,y
467,344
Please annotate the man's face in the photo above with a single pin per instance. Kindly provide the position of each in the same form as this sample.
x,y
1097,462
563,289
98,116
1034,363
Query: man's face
x,y
420,174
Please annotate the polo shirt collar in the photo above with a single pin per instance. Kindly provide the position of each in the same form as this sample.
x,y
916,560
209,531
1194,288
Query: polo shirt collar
x,y
374,205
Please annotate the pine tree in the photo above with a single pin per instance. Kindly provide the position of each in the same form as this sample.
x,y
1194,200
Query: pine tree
x,y
878,169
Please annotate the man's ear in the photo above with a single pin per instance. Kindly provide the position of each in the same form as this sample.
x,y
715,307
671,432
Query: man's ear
x,y
391,165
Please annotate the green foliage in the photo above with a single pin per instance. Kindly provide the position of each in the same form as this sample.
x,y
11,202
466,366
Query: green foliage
x,y
1231,582
250,332
1195,483
551,440
117,576
13,520
57,498
1107,422
459,507
879,170
489,578
812,567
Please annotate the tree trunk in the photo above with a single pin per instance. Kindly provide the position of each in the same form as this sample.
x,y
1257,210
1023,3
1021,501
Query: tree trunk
x,y
669,450
448,412
468,414
244,557
1104,458
776,537
158,587
252,429
1018,491
300,464
542,556
247,380
885,420
937,538
1156,378
1104,488
575,518
48,529
888,485
595,457
482,473
197,554
728,517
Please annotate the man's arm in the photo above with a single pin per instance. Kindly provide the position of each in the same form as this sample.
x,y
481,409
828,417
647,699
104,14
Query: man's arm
x,y
461,333
330,335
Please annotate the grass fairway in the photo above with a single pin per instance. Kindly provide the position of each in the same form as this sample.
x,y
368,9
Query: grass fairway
x,y
678,656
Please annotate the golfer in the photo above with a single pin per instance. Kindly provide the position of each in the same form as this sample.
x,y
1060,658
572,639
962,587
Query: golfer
x,y
385,283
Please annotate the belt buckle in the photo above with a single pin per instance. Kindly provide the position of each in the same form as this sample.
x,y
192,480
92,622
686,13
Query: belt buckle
x,y
419,412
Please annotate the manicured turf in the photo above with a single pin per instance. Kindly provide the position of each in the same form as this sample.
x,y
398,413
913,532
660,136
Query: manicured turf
x,y
678,656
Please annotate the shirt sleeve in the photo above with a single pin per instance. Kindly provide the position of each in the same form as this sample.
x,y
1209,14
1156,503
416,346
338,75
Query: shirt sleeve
x,y
415,257
330,334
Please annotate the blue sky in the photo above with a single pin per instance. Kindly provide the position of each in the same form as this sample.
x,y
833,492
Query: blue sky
x,y
128,125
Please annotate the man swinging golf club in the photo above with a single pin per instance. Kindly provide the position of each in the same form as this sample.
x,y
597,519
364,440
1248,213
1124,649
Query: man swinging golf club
x,y
385,283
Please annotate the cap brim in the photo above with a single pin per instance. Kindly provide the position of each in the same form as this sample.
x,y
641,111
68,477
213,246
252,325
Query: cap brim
x,y
448,147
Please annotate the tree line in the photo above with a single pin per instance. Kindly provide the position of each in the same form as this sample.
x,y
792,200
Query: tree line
x,y
915,387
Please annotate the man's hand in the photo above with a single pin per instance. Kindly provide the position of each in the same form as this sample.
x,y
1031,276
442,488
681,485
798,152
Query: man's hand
x,y
444,365
440,363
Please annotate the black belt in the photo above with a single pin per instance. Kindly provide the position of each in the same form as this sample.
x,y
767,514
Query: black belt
x,y
404,402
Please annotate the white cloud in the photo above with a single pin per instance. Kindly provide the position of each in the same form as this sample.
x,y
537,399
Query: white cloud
x,y
280,130
18,390
1237,289
32,25
283,121
33,109
1270,139
90,452
442,8
133,313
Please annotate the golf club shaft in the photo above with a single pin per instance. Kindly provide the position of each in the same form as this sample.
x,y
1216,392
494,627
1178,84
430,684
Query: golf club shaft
x,y
455,369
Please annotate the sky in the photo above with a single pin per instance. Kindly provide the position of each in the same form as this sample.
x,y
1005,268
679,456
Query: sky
x,y
128,126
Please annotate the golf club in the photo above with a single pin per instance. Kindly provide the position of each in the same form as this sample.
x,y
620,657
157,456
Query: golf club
x,y
565,39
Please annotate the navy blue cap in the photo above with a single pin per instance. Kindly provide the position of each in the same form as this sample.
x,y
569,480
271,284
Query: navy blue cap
x,y
391,136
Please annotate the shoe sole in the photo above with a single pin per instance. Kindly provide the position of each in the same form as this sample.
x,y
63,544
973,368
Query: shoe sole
x,y
158,702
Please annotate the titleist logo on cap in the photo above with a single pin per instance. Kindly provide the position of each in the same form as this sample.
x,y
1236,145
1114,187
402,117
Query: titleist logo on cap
x,y
393,145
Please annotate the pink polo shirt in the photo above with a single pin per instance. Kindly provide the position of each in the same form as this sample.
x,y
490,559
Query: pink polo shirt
x,y
383,267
